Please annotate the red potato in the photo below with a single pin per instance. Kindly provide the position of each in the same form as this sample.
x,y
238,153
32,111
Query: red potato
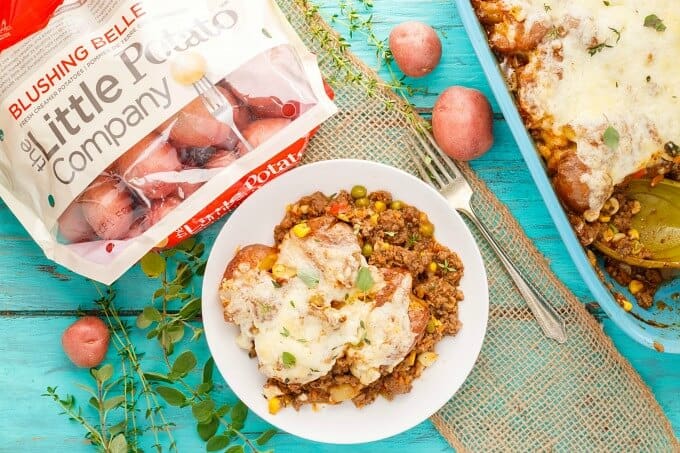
x,y
108,208
273,107
195,126
153,215
151,155
221,159
73,227
86,341
462,123
260,131
416,48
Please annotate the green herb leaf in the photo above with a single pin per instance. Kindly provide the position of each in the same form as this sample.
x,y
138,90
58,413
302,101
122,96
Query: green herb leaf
x,y
266,436
184,363
113,402
94,402
288,359
151,376
204,388
172,396
203,411
276,284
118,444
103,373
191,309
153,265
309,278
152,313
292,304
364,279
208,370
235,449
217,443
611,137
142,321
285,332
238,415
208,429
653,21
266,33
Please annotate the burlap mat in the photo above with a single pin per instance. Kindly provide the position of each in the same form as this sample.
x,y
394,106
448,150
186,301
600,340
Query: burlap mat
x,y
526,392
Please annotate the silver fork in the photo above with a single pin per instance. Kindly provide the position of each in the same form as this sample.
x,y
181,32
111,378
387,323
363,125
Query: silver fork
x,y
218,106
439,170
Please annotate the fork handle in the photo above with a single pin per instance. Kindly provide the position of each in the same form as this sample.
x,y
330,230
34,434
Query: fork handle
x,y
547,318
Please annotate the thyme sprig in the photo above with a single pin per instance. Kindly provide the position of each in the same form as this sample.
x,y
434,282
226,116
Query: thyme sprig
x,y
120,402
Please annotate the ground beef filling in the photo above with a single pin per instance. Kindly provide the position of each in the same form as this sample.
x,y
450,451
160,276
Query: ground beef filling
x,y
392,235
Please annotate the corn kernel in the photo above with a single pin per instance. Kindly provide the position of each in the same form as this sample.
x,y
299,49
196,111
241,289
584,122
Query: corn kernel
x,y
627,305
433,324
268,262
343,217
410,359
304,209
432,267
635,286
633,233
301,230
604,218
380,206
607,235
427,358
279,271
636,207
374,219
618,236
274,405
384,246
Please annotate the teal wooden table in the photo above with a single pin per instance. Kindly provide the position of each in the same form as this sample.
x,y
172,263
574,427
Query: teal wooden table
x,y
38,300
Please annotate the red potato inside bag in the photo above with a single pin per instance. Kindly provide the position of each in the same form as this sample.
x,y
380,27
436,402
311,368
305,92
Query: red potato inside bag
x,y
138,128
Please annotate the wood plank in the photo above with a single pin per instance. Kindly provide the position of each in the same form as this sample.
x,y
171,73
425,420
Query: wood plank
x,y
33,359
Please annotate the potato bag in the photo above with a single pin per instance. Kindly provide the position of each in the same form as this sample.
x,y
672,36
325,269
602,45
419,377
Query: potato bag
x,y
129,125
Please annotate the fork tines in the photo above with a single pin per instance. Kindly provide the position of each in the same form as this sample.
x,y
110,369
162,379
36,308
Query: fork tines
x,y
213,100
433,165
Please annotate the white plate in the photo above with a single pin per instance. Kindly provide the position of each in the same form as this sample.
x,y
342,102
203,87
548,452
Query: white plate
x,y
254,221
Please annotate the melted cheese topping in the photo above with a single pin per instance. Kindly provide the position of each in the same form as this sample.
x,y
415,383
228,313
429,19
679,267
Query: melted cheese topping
x,y
630,82
297,334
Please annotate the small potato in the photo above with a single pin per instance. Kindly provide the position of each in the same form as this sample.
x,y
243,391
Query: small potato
x,y
571,190
108,208
195,126
150,155
273,107
160,209
462,123
259,131
250,255
86,341
221,159
73,227
416,48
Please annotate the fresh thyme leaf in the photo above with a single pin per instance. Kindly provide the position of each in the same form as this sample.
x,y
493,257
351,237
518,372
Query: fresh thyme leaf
x,y
606,3
217,442
309,278
266,436
285,332
592,50
364,279
184,363
653,21
546,7
445,266
618,33
611,138
292,304
288,359
276,284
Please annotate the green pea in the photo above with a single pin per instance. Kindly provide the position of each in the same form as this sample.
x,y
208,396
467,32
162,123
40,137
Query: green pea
x,y
358,192
367,250
396,205
362,202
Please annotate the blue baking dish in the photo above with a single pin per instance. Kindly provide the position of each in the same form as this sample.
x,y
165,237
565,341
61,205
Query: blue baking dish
x,y
658,327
